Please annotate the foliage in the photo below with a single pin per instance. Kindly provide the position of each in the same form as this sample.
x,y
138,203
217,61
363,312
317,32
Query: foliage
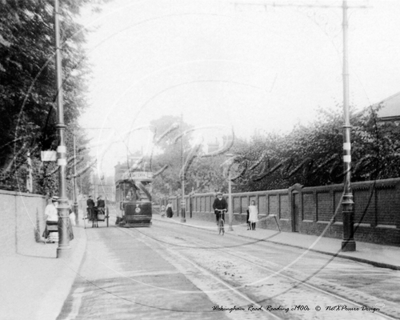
x,y
309,155
201,174
168,153
312,155
27,84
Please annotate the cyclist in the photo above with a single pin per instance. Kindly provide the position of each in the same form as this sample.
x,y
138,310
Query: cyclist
x,y
220,206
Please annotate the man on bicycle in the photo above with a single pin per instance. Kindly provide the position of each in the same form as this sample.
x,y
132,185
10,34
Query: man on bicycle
x,y
219,206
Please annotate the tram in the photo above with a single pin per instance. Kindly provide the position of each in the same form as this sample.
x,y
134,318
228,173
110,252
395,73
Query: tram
x,y
134,199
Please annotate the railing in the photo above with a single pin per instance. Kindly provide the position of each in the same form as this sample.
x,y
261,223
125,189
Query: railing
x,y
308,210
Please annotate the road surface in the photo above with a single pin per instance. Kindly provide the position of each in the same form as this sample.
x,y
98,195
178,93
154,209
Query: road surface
x,y
170,271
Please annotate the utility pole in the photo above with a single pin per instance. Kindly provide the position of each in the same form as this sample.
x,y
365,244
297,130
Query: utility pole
x,y
348,243
183,202
230,208
75,185
63,207
229,164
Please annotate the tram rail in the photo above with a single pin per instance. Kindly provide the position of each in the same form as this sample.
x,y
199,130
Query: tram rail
x,y
317,285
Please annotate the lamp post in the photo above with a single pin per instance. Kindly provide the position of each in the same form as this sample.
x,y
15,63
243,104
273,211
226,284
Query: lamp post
x,y
63,208
75,193
230,208
183,203
348,243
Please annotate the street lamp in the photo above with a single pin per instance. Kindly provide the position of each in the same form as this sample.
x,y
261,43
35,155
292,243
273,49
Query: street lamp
x,y
183,203
230,208
63,208
75,193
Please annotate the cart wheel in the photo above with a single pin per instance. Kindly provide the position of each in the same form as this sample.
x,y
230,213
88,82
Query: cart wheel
x,y
107,216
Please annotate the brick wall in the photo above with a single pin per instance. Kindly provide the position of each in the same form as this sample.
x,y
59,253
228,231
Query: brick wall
x,y
22,215
310,210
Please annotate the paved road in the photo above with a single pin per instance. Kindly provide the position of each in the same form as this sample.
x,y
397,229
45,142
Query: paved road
x,y
174,272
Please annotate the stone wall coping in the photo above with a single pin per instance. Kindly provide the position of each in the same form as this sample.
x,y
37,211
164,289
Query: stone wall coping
x,y
384,183
22,194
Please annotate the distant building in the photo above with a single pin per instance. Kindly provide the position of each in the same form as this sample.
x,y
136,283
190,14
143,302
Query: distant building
x,y
390,110
123,168
103,186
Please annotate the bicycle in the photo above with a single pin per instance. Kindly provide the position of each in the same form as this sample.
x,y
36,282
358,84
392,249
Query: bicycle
x,y
221,222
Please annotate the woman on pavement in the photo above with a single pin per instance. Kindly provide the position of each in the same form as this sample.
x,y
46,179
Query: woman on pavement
x,y
253,215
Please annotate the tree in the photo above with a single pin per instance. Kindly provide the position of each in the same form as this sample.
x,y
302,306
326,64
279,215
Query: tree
x,y
202,172
167,154
312,155
27,81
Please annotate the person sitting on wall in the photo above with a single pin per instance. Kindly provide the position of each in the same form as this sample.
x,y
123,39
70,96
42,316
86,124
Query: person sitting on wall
x,y
51,215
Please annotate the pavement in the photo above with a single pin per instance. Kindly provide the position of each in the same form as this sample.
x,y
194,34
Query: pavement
x,y
34,283
378,255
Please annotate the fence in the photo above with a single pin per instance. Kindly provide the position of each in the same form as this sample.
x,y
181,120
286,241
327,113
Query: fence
x,y
309,210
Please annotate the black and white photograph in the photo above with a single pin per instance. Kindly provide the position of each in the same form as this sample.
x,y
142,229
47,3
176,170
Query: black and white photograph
x,y
199,159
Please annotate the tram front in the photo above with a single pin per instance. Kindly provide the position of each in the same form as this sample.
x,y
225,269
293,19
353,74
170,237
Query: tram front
x,y
134,194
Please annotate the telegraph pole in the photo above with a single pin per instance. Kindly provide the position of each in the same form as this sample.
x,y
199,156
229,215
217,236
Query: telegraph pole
x,y
63,207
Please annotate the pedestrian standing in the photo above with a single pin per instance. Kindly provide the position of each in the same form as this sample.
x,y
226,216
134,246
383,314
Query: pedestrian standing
x,y
247,220
170,213
90,208
100,209
72,215
253,215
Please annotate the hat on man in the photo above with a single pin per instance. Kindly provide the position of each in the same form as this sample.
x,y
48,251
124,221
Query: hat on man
x,y
219,193
54,199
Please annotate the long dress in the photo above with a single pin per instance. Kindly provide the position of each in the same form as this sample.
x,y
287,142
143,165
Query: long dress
x,y
253,214
90,209
170,213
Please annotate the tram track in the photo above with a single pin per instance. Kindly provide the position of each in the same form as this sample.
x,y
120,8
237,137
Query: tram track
x,y
314,284
221,292
296,279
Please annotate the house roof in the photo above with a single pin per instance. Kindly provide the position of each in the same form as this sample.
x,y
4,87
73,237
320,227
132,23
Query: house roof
x,y
391,108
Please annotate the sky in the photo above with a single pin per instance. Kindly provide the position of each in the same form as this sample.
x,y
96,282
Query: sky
x,y
244,65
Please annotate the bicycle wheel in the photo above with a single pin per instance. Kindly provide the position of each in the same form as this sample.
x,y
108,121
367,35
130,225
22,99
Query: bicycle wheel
x,y
221,226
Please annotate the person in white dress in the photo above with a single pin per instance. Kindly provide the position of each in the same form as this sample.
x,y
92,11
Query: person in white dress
x,y
253,215
51,215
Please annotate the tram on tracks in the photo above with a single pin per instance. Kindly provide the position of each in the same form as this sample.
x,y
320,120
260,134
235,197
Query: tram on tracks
x,y
134,199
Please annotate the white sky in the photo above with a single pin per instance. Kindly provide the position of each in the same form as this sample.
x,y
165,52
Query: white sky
x,y
247,66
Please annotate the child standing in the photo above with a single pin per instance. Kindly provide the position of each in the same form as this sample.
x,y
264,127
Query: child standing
x,y
253,215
